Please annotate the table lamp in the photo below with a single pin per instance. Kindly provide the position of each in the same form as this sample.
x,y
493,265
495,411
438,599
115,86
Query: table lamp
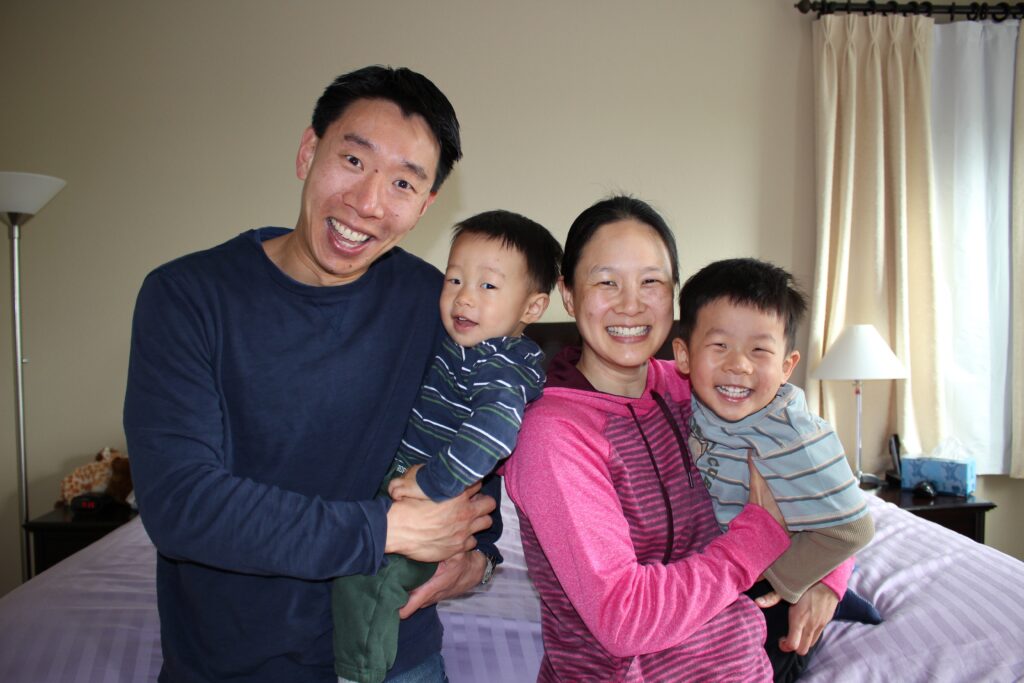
x,y
860,354
22,196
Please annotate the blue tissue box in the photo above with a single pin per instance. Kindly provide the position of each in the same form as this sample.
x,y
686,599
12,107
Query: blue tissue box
x,y
957,477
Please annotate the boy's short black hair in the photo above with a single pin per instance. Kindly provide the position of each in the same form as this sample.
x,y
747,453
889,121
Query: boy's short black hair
x,y
413,93
745,282
531,239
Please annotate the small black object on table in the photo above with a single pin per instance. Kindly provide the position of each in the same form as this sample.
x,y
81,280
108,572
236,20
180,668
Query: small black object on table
x,y
963,514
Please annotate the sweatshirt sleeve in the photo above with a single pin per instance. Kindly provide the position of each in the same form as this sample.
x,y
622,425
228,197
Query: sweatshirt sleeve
x,y
559,480
191,504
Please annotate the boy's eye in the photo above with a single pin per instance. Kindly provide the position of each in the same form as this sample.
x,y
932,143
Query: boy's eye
x,y
453,281
488,285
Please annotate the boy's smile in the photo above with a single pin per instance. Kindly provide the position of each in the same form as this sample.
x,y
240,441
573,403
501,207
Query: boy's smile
x,y
736,358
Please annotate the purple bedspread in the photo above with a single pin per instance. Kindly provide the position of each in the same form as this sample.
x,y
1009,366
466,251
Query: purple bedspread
x,y
953,609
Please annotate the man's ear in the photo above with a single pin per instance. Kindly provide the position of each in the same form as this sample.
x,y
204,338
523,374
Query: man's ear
x,y
566,292
682,355
535,307
789,365
307,150
430,200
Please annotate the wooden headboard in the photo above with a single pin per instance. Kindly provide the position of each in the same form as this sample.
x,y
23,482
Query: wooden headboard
x,y
551,337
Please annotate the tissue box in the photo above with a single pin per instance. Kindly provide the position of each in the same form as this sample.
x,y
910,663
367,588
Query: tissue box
x,y
957,477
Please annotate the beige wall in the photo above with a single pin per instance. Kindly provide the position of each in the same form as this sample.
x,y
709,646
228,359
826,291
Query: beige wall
x,y
176,123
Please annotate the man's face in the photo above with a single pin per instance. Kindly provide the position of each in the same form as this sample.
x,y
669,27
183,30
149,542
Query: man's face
x,y
487,291
736,358
367,182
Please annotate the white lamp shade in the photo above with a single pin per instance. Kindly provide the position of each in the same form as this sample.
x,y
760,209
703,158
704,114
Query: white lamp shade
x,y
26,193
860,353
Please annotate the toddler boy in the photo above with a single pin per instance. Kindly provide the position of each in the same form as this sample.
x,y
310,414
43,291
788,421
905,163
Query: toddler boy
x,y
501,270
738,324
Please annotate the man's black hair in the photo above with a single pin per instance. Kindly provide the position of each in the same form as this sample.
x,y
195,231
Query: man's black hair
x,y
412,92
531,239
744,282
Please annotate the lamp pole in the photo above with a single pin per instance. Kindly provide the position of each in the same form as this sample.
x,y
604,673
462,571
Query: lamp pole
x,y
19,390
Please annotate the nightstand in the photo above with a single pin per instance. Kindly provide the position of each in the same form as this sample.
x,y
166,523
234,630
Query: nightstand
x,y
60,533
965,515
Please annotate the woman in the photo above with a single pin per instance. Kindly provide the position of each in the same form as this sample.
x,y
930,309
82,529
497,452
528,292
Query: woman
x,y
636,580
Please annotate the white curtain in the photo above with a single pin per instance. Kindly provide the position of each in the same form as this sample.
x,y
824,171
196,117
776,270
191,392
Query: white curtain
x,y
973,66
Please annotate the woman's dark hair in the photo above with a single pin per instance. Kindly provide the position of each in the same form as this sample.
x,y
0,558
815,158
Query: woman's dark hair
x,y
612,210
412,92
539,248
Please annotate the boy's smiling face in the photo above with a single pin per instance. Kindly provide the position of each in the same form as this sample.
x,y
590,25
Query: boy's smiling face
x,y
487,291
736,358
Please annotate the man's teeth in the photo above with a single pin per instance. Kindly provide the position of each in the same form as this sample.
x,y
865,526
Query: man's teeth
x,y
637,331
346,232
733,392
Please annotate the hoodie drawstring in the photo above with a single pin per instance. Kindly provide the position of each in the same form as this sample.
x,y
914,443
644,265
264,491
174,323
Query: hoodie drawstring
x,y
683,449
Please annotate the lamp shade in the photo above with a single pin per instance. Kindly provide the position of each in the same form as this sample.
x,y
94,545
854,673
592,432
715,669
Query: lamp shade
x,y
859,353
26,193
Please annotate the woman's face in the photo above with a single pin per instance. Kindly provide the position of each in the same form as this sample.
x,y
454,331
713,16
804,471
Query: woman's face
x,y
622,301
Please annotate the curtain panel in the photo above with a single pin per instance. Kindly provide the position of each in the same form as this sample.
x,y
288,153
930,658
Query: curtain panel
x,y
875,251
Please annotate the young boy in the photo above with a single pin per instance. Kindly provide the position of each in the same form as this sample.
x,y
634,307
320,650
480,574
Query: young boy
x,y
501,270
738,323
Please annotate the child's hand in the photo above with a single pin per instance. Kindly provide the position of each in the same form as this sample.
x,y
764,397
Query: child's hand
x,y
405,486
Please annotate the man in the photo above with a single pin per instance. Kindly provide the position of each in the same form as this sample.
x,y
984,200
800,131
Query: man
x,y
268,392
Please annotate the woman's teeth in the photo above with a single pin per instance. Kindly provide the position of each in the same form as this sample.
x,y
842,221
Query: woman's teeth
x,y
636,331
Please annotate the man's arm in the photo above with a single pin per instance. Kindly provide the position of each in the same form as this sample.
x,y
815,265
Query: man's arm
x,y
195,509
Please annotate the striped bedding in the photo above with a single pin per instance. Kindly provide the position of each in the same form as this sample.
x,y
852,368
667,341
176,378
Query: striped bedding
x,y
953,609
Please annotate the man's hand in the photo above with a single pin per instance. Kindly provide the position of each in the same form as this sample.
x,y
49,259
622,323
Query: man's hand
x,y
454,576
433,532
406,486
808,618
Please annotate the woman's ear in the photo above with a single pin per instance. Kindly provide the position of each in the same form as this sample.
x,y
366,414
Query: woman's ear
x,y
566,293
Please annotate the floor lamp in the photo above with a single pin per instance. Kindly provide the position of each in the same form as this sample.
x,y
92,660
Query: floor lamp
x,y
859,354
22,196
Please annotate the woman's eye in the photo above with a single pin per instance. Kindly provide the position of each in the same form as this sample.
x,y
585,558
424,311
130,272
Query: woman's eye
x,y
403,185
353,160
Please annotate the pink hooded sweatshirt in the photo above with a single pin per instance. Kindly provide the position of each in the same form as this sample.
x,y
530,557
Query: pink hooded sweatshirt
x,y
637,582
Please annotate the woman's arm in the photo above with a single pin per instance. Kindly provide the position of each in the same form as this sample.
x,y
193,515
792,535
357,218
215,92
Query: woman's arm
x,y
559,478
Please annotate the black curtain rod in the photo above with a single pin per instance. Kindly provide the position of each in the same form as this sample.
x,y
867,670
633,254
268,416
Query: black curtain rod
x,y
973,11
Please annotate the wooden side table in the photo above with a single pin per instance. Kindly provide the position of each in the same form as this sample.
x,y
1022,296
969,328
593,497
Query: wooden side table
x,y
965,515
60,533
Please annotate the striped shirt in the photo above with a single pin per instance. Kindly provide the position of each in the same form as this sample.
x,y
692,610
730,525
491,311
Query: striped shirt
x,y
467,416
797,452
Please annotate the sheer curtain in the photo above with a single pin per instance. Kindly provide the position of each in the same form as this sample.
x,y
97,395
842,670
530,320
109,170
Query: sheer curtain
x,y
915,183
875,241
972,122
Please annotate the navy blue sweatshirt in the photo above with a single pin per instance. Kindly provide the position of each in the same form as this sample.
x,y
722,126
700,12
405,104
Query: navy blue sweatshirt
x,y
261,415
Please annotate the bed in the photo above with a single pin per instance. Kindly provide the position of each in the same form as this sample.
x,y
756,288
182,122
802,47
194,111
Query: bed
x,y
953,610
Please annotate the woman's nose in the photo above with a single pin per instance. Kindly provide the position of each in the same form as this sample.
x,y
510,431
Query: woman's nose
x,y
630,301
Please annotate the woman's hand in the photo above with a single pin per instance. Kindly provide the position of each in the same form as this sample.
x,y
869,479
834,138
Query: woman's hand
x,y
761,495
